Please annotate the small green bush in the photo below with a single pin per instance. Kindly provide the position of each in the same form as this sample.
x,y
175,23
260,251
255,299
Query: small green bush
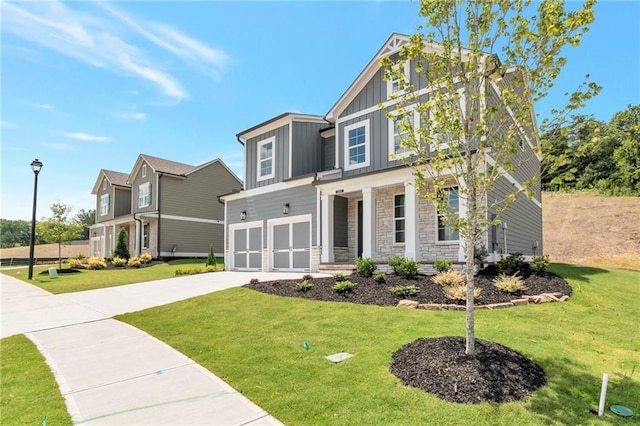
x,y
254,281
339,276
394,263
75,263
365,267
121,249
404,290
380,277
442,265
539,264
344,286
408,268
512,264
96,263
145,258
509,283
118,262
210,268
307,277
305,285
134,262
449,278
108,258
81,257
459,292
185,271
211,258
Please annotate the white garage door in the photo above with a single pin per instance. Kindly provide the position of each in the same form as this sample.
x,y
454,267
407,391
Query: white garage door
x,y
291,245
247,248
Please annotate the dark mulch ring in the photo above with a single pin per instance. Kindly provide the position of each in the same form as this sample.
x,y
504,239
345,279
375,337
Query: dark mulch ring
x,y
142,265
369,292
440,366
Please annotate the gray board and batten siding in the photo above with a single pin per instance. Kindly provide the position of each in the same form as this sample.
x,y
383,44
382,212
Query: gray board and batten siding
x,y
328,153
306,148
340,221
301,200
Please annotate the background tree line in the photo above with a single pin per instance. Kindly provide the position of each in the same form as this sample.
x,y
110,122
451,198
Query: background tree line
x,y
589,154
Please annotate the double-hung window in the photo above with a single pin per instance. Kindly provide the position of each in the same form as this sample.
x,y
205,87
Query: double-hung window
x,y
399,127
446,232
396,84
356,143
104,204
145,235
144,195
266,155
398,219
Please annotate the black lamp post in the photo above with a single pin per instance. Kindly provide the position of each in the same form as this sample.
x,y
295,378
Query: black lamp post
x,y
36,165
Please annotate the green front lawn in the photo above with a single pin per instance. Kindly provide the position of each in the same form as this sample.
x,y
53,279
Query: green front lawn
x,y
255,341
93,279
29,390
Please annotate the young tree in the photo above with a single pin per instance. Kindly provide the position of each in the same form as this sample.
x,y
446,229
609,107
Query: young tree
x,y
121,249
464,138
58,228
86,219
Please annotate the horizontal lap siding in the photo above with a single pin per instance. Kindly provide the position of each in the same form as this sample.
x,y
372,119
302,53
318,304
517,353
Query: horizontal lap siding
x,y
281,160
301,199
191,237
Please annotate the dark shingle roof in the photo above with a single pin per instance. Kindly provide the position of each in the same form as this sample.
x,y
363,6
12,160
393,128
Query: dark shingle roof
x,y
116,178
167,166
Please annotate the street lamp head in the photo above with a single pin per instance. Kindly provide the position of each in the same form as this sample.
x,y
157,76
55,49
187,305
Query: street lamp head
x,y
36,165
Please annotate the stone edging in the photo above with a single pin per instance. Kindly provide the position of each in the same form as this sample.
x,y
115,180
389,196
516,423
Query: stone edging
x,y
525,300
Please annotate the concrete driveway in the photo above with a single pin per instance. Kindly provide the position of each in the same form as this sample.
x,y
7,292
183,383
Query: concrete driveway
x,y
114,374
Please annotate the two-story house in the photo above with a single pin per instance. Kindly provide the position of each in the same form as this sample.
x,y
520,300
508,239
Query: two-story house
x,y
325,189
169,209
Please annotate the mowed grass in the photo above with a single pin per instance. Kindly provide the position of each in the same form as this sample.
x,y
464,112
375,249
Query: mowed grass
x,y
29,390
255,341
93,279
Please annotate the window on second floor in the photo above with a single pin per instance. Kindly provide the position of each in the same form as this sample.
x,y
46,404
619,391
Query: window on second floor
x,y
266,156
144,170
356,145
398,132
398,219
104,204
104,183
144,195
394,84
446,231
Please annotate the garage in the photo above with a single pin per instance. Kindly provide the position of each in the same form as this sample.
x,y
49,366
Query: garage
x,y
246,247
290,243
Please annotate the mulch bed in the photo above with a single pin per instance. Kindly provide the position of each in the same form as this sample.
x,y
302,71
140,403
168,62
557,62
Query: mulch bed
x,y
439,365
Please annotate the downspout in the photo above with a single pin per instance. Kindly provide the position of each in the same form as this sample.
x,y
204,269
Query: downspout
x,y
158,227
239,140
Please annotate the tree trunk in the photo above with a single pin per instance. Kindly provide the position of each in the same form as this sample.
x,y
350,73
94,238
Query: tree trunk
x,y
59,254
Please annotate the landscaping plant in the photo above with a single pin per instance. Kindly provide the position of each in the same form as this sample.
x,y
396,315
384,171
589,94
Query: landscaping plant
x,y
365,267
121,249
509,283
459,292
539,264
449,277
344,286
404,290
442,265
305,285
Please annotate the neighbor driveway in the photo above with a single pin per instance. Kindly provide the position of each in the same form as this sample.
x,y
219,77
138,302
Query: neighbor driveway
x,y
112,373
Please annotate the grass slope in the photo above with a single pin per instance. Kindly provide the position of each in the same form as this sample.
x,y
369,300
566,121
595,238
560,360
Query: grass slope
x,y
29,390
255,341
590,229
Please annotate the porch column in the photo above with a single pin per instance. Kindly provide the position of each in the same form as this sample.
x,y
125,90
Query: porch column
x,y
327,228
136,243
410,220
368,223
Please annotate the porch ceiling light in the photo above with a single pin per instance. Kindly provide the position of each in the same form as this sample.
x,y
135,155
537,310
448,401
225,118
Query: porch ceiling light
x,y
285,209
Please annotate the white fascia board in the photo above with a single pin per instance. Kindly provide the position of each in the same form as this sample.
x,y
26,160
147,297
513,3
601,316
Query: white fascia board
x,y
268,189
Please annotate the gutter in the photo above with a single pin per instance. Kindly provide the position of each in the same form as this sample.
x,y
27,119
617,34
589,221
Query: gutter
x,y
239,140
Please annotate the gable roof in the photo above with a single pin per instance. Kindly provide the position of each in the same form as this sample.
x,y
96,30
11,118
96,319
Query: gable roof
x,y
114,178
279,121
160,165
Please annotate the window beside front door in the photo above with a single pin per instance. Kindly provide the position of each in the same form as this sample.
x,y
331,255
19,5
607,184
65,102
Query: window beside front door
x,y
146,228
446,232
398,219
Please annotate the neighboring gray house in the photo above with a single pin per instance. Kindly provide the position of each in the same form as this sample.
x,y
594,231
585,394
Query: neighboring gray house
x,y
326,189
169,209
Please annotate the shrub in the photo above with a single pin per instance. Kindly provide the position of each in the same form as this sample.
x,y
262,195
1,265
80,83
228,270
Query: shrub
x,y
449,278
480,254
145,258
134,262
254,281
408,268
118,262
339,276
75,263
394,263
512,264
307,277
442,265
121,249
509,283
380,277
210,268
184,271
81,257
108,258
305,285
404,290
365,266
344,286
211,258
459,292
539,264
96,263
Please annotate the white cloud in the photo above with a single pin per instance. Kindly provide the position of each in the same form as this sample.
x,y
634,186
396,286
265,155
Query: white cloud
x,y
62,146
131,115
100,40
43,106
84,137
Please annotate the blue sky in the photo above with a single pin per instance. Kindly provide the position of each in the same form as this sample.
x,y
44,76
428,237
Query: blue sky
x,y
90,85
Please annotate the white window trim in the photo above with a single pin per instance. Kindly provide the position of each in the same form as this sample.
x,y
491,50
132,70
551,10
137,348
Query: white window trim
x,y
104,211
367,145
406,77
395,219
271,175
148,197
438,240
146,225
411,109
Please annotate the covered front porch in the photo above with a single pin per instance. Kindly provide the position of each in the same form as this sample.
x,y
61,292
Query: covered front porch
x,y
379,216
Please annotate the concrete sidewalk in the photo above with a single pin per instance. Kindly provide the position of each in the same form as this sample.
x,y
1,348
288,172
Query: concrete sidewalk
x,y
113,373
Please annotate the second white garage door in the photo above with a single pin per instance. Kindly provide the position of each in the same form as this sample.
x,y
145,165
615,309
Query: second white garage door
x,y
290,243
